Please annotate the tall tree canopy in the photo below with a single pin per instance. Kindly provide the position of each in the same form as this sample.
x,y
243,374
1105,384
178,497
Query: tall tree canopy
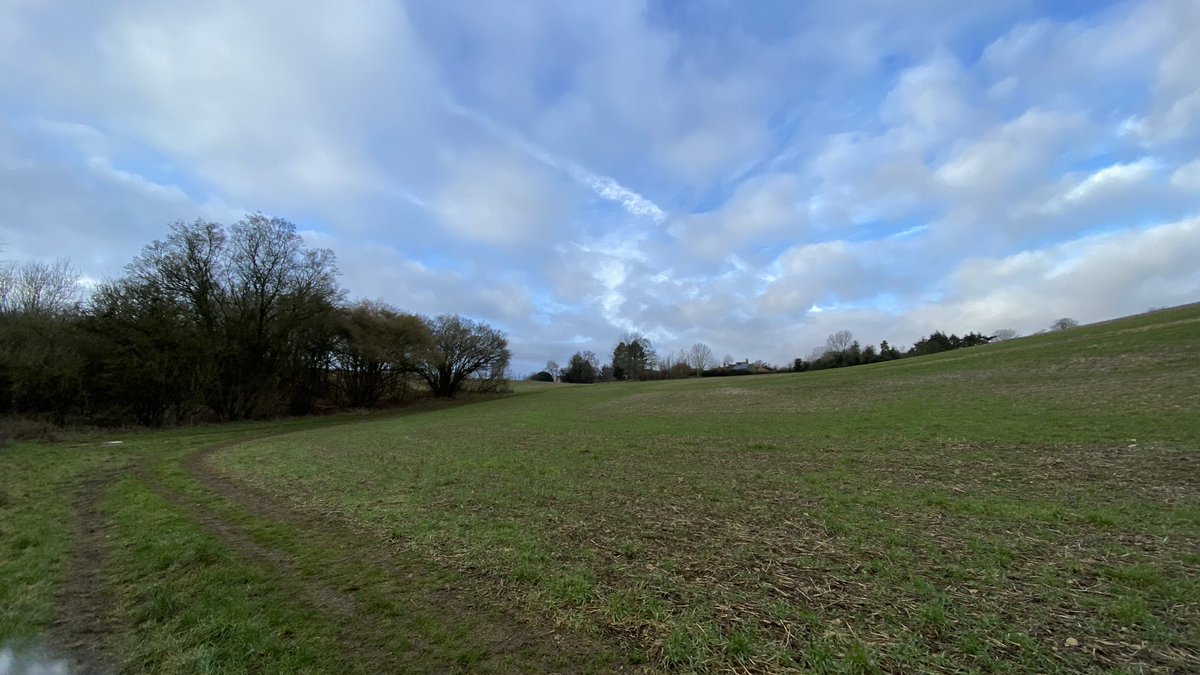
x,y
226,322
633,357
582,368
40,359
252,299
700,357
460,349
377,346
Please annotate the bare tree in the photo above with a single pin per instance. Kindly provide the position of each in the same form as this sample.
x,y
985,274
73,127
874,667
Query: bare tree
x,y
1064,323
461,349
700,357
666,360
258,301
6,285
39,287
839,341
1002,334
41,363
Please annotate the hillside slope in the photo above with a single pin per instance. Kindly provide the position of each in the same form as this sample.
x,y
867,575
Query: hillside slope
x,y
1033,504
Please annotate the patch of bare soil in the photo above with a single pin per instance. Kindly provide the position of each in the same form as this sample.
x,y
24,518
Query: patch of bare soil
x,y
85,620
511,640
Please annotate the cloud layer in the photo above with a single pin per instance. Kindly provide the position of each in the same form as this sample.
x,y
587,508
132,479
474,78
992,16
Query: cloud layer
x,y
753,176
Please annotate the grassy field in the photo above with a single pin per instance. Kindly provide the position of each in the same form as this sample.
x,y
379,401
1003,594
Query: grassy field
x,y
1027,506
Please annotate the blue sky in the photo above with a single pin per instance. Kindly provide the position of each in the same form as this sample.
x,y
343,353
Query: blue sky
x,y
749,175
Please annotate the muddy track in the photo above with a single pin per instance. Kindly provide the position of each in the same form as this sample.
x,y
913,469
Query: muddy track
x,y
85,618
317,594
512,642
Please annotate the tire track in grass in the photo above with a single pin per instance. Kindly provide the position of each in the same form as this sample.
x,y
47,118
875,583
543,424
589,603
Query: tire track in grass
x,y
315,593
86,620
500,640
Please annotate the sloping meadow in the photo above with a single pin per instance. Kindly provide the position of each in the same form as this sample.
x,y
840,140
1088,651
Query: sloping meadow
x,y
1030,505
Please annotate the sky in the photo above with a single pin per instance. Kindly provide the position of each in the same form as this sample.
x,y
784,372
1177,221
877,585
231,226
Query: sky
x,y
751,175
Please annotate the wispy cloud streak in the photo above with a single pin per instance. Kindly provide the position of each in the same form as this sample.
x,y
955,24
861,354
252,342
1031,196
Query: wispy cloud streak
x,y
604,186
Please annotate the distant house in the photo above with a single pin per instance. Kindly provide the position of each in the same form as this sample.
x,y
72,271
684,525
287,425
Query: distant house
x,y
756,368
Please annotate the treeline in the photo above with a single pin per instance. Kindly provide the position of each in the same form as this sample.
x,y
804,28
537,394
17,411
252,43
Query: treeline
x,y
634,358
226,323
842,350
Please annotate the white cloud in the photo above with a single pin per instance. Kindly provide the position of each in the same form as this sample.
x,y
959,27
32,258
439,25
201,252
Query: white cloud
x,y
810,274
61,196
1108,188
1112,178
762,209
277,103
1187,177
728,139
1092,57
571,170
1089,279
373,269
1176,120
603,186
866,178
509,302
1175,106
497,200
1011,155
931,98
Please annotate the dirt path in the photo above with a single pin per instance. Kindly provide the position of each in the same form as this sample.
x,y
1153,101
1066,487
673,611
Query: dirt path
x,y
512,642
85,618
319,595
343,575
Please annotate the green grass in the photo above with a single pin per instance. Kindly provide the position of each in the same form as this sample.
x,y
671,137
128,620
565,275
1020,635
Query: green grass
x,y
1032,505
35,535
